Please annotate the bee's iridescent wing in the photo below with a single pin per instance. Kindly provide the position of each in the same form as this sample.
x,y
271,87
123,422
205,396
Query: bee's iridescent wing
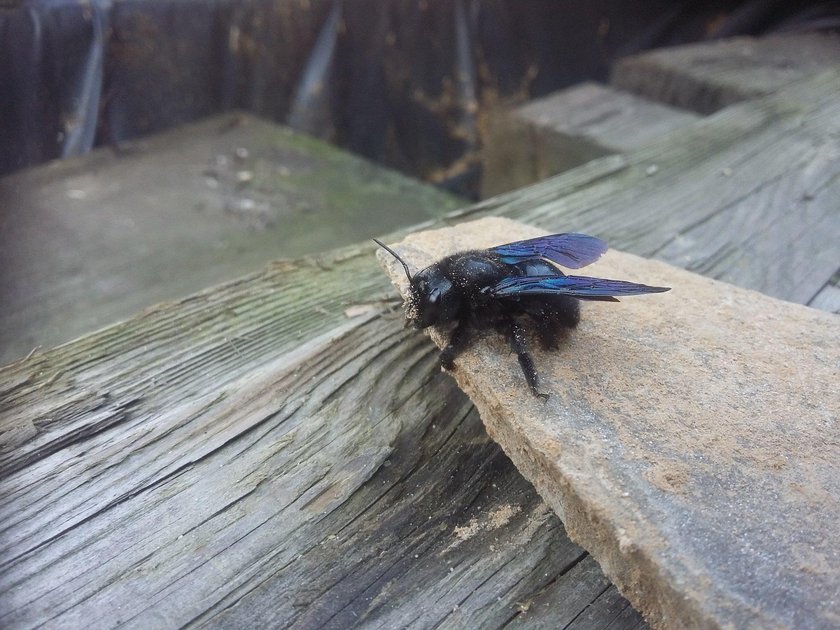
x,y
570,250
575,286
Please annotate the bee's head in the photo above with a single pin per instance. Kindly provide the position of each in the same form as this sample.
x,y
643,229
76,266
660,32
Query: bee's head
x,y
432,300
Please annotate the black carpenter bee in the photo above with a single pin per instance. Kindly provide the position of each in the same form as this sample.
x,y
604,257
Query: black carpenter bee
x,y
503,287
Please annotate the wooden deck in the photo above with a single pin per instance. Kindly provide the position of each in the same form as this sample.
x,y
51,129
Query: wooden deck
x,y
95,239
280,450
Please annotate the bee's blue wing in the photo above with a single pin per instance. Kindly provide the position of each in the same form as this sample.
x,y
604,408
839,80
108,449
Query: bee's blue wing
x,y
576,286
570,250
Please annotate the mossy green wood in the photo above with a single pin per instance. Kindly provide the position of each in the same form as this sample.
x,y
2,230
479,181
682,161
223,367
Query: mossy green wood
x,y
95,239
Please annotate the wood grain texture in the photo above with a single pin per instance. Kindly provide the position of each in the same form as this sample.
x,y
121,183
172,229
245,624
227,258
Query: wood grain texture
x,y
257,451
828,298
746,195
709,76
296,466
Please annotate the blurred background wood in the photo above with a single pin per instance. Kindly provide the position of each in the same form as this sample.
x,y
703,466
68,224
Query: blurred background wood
x,y
93,239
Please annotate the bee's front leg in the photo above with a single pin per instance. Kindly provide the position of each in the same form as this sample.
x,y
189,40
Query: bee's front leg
x,y
458,341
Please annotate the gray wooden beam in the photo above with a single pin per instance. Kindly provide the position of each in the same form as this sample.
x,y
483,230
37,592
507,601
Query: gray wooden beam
x,y
566,129
279,448
95,239
828,298
745,195
708,76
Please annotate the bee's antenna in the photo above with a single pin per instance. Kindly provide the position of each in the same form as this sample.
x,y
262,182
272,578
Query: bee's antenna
x,y
395,255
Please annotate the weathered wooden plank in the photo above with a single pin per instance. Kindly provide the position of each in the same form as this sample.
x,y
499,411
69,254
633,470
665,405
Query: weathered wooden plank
x,y
92,240
610,611
585,585
516,153
708,505
745,195
233,505
707,77
192,410
618,121
828,299
566,129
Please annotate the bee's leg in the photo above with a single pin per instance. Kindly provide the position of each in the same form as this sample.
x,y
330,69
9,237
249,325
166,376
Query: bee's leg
x,y
516,336
458,341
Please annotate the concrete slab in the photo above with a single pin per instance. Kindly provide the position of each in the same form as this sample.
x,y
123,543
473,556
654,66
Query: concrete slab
x,y
691,440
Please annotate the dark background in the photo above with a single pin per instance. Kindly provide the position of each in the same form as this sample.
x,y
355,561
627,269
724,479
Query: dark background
x,y
406,83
